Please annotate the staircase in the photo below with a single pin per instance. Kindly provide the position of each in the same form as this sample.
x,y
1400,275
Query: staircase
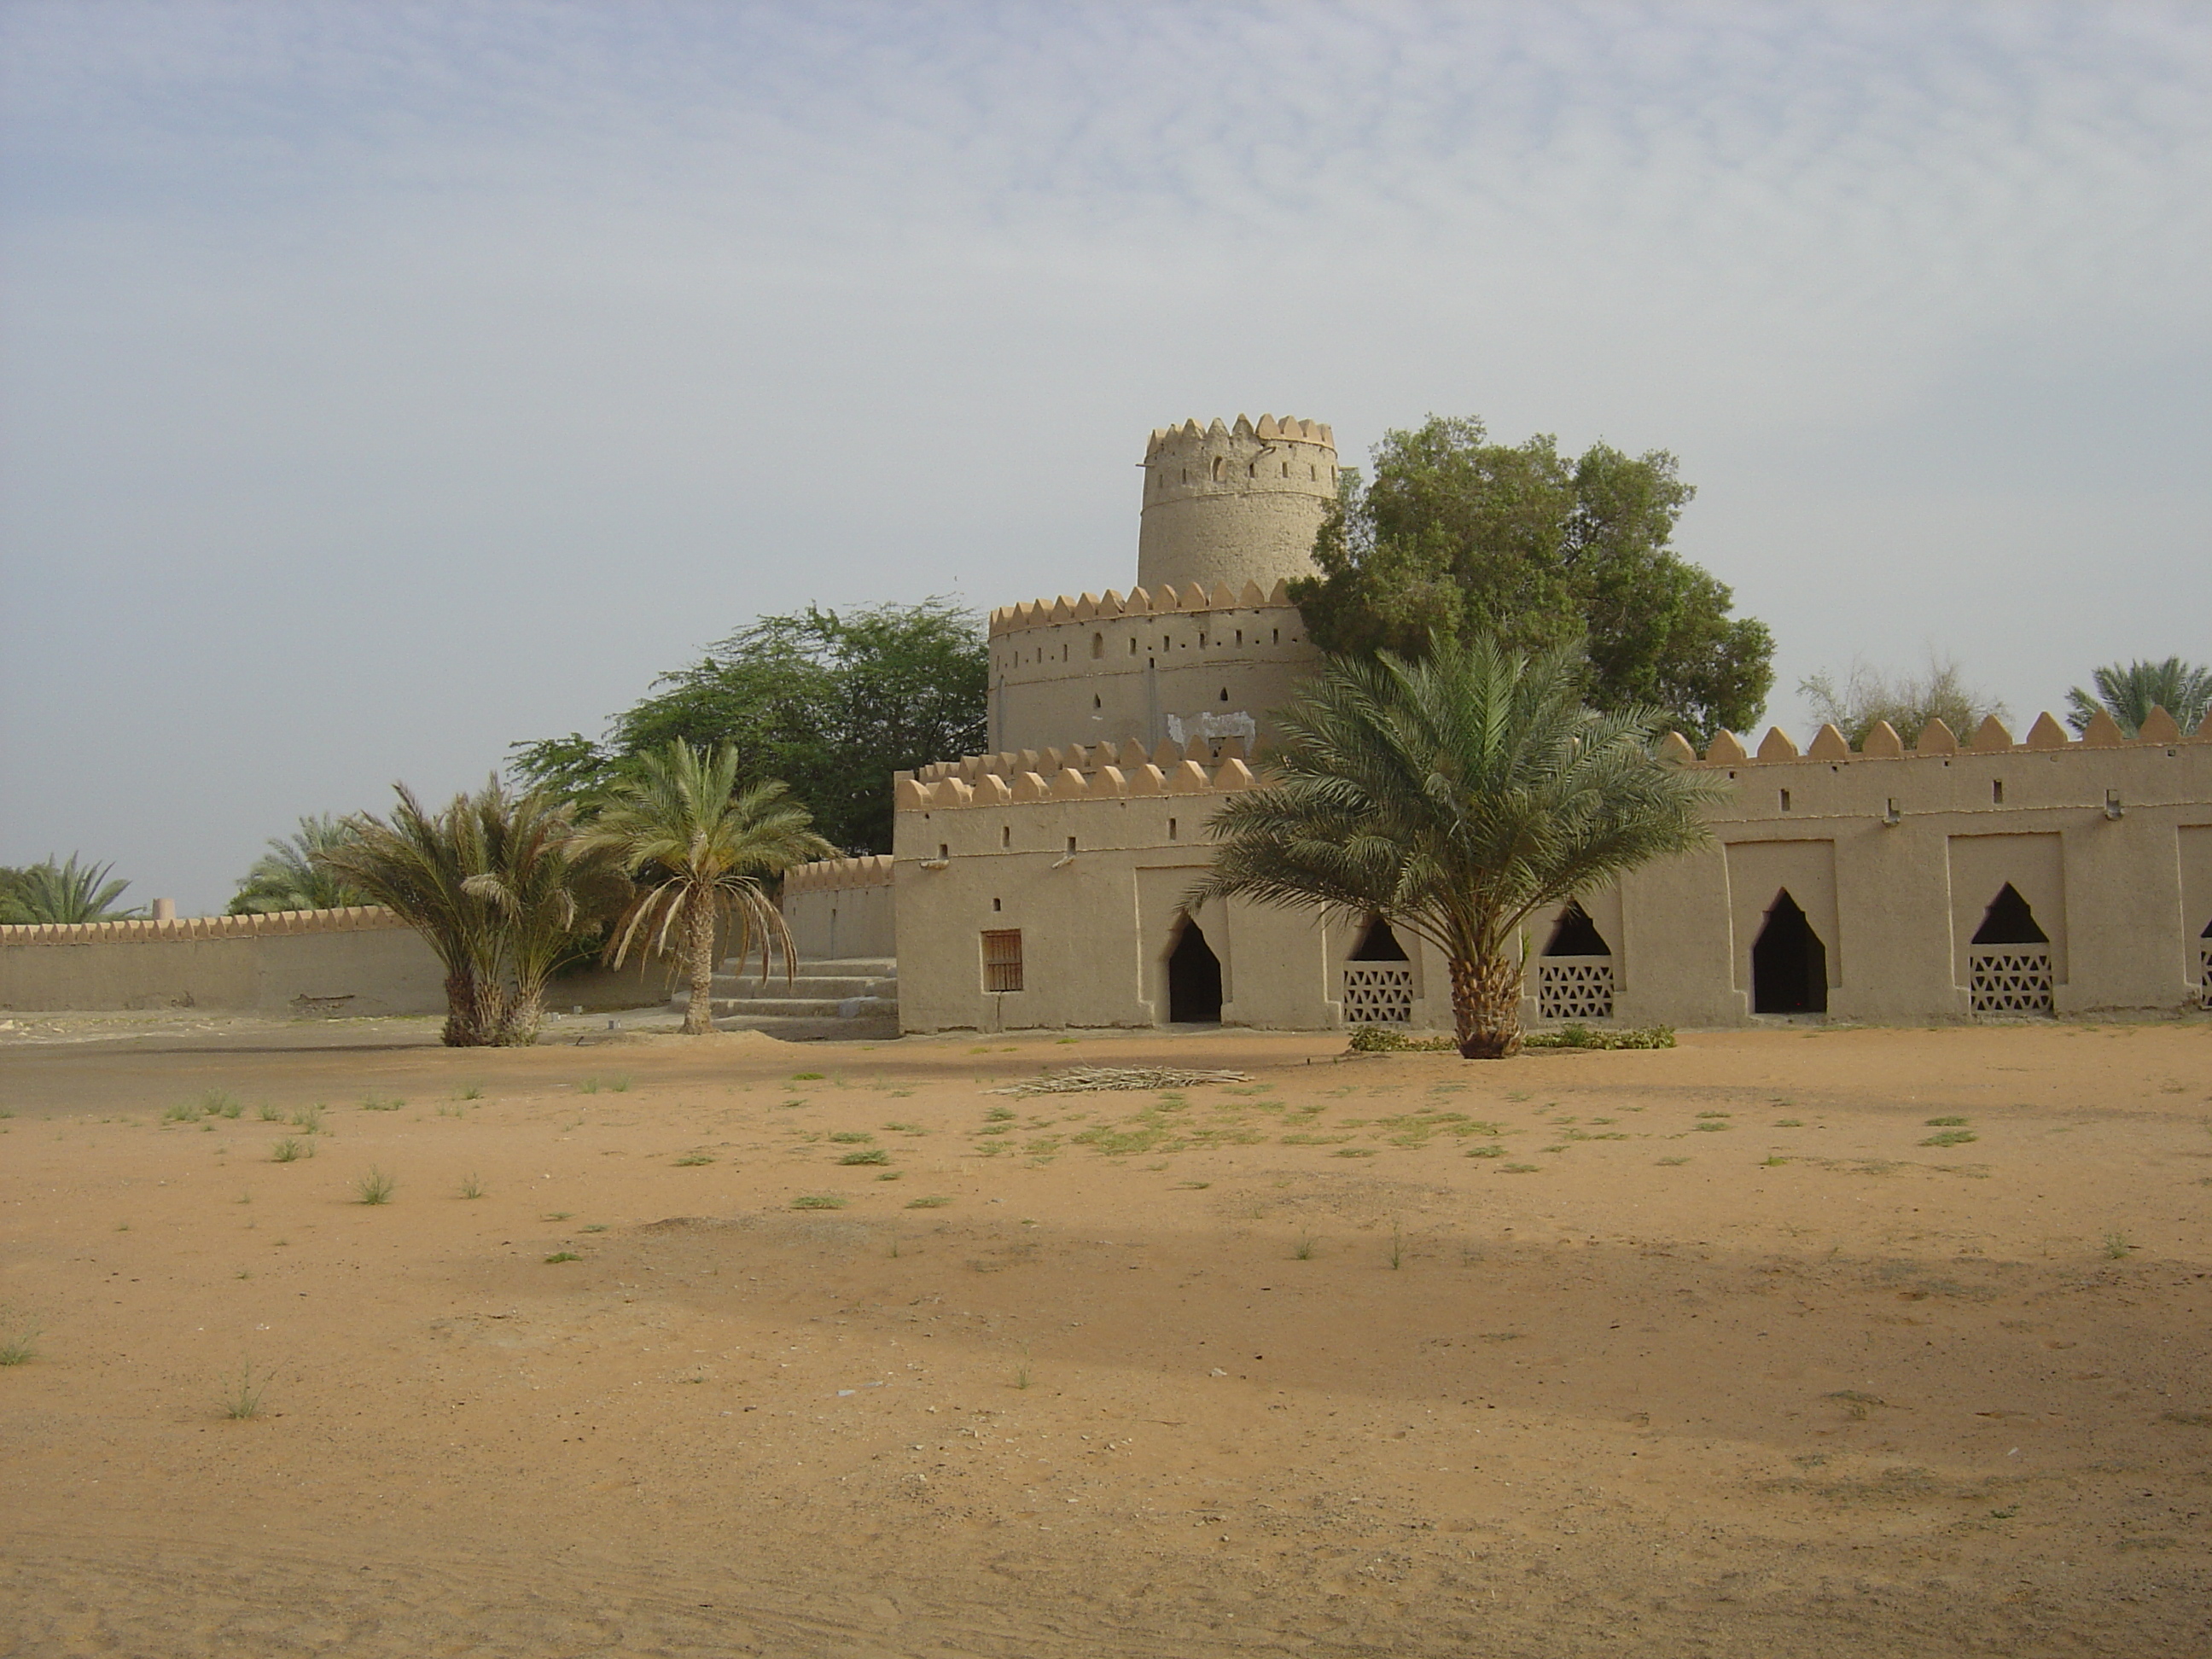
x,y
851,1000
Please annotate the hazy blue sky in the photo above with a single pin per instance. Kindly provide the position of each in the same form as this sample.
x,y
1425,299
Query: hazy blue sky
x,y
381,383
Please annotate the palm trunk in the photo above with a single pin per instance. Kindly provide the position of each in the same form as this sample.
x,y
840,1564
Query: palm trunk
x,y
699,947
464,1016
525,1013
1486,1007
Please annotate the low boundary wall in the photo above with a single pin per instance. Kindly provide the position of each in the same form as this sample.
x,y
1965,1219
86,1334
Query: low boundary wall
x,y
840,909
327,964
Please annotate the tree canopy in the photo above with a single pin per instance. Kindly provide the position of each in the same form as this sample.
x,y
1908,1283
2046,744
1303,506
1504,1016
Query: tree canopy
x,y
287,876
831,703
1455,536
1869,697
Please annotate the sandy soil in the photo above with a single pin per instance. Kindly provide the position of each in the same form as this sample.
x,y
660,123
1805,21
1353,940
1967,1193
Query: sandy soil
x,y
1732,1350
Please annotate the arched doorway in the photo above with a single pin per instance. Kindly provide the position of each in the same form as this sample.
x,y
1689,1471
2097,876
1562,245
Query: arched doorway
x,y
1194,979
1788,964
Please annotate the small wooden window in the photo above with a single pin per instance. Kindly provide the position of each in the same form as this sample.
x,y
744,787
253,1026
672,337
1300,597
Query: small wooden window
x,y
1002,959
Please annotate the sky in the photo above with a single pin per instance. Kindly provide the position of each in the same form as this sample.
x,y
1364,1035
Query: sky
x,y
383,385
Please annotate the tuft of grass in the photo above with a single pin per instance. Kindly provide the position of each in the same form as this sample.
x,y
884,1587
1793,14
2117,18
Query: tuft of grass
x,y
472,1185
1772,1159
556,1215
375,1187
1397,1246
271,1112
470,1092
1667,1163
692,1160
1303,1250
927,1203
1518,1169
291,1148
619,1083
1788,1123
818,1201
1945,1122
21,1345
593,1227
309,1118
564,1256
589,1085
241,1395
1357,1151
184,1111
1000,1115
866,1155
220,1103
806,1077
1951,1138
1485,1151
2117,1247
906,1128
379,1103
851,1137
891,1175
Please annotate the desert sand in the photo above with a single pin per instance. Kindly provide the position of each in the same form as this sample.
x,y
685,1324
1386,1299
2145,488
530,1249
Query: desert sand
x,y
1782,1342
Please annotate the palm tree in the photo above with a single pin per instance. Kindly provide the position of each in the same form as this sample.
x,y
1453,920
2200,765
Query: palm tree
x,y
547,891
419,862
67,893
2129,693
287,876
701,848
1455,798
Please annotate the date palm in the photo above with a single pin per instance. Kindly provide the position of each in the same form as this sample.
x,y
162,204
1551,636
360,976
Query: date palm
x,y
702,848
418,863
1455,797
288,878
548,891
65,892
2128,692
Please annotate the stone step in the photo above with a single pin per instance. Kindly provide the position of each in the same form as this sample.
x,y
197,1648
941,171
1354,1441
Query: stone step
x,y
871,1029
828,967
751,1008
807,986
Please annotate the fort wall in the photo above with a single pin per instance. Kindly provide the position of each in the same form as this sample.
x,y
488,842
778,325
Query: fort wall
x,y
1896,861
1225,505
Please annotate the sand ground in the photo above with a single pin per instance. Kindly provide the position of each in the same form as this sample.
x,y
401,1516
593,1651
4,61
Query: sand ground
x,y
1783,1342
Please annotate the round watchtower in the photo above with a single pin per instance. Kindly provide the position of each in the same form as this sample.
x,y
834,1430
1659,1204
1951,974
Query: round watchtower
x,y
1224,506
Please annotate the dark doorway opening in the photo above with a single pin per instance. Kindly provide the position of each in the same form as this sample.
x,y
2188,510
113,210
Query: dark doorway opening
x,y
1577,935
2009,921
1788,964
1379,944
1194,980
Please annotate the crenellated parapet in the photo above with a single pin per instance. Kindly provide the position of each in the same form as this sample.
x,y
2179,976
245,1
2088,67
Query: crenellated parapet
x,y
356,918
1191,599
838,875
1232,503
1103,782
2045,736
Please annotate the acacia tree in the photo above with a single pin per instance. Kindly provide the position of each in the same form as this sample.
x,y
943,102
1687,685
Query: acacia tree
x,y
1456,537
830,702
1906,703
702,846
1455,797
2128,692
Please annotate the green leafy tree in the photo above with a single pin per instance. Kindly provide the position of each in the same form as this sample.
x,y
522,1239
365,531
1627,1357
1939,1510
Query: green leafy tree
x,y
830,702
702,845
2128,693
288,878
66,892
1457,536
498,888
1455,796
1907,702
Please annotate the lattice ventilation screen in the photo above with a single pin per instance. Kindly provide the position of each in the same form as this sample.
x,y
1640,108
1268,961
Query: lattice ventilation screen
x,y
1574,988
2010,979
2204,975
1378,993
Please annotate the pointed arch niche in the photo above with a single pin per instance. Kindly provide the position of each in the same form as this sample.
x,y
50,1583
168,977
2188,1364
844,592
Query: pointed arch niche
x,y
1378,979
2008,959
1194,978
2008,923
1788,962
1574,975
